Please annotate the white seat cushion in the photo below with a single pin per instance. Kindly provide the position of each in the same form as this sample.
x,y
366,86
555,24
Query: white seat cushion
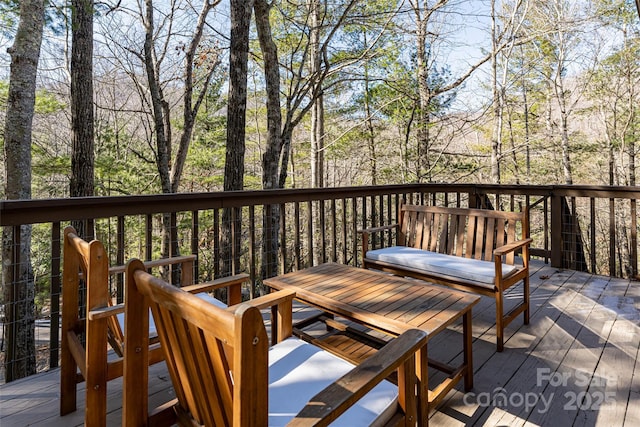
x,y
436,263
299,370
152,326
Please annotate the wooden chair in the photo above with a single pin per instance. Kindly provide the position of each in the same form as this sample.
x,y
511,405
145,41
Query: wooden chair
x,y
225,373
85,340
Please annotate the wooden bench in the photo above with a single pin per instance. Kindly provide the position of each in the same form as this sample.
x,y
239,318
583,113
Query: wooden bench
x,y
469,249
225,373
86,338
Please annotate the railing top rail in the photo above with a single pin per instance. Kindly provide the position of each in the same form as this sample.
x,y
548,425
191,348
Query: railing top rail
x,y
17,212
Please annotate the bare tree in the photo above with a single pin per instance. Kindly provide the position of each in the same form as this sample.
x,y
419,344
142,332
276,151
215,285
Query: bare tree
x,y
170,168
558,52
506,36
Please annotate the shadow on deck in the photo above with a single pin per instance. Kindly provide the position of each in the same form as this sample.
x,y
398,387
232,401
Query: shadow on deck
x,y
574,364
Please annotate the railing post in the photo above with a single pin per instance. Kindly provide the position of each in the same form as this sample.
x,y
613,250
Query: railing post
x,y
473,200
556,231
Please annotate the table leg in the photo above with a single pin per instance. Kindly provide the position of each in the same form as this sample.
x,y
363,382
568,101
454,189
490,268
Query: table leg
x,y
422,371
467,350
274,325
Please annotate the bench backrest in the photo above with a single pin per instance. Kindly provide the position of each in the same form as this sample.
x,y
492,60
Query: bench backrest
x,y
218,359
469,233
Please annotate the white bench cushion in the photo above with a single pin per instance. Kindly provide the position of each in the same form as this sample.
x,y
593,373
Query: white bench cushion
x,y
152,326
437,263
299,370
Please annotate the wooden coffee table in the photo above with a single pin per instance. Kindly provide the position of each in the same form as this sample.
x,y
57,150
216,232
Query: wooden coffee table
x,y
391,305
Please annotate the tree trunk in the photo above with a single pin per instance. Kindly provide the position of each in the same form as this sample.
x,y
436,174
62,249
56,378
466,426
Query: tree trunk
x,y
18,284
424,97
236,120
273,151
161,128
373,161
157,101
317,110
82,155
566,156
496,137
527,137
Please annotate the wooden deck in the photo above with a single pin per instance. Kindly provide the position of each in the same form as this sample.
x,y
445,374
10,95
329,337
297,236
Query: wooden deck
x,y
575,364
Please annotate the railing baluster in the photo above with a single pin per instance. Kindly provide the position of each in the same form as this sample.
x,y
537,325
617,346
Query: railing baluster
x,y
612,237
120,258
334,226
354,238
592,232
195,232
54,326
216,243
148,237
634,238
283,239
344,231
310,233
252,255
322,232
297,242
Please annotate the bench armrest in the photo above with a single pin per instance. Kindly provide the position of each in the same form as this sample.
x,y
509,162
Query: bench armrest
x,y
335,399
378,229
365,236
510,247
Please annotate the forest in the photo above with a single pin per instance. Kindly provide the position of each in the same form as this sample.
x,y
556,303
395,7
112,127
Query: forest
x,y
144,97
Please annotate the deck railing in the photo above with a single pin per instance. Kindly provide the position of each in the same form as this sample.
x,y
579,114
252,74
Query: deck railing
x,y
590,228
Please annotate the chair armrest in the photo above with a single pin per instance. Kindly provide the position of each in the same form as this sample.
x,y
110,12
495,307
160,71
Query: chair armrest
x,y
510,247
160,262
103,313
281,303
272,299
335,399
234,283
222,282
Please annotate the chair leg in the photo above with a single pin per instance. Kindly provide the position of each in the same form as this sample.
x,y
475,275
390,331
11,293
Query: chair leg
x,y
499,322
67,381
96,379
